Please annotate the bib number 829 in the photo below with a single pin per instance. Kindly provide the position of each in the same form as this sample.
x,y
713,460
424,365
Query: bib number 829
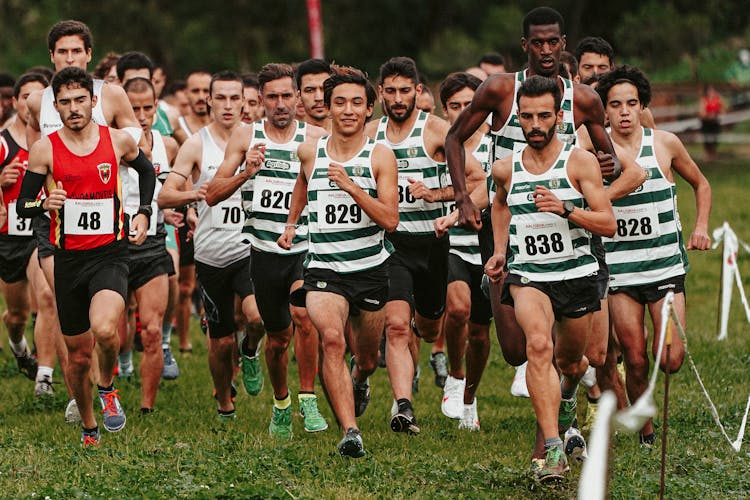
x,y
343,214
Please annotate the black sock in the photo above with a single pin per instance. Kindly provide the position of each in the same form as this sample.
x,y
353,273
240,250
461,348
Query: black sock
x,y
592,400
226,412
106,389
91,431
403,403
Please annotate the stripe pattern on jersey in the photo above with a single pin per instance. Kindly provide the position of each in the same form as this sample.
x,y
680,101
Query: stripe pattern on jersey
x,y
347,241
415,216
545,259
648,246
267,210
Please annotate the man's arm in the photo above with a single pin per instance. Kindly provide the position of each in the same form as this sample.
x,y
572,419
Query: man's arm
x,y
172,194
227,180
306,154
684,165
500,213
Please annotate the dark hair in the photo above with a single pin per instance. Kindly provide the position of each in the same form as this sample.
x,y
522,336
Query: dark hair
x,y
28,78
399,66
541,16
72,76
139,84
105,64
7,80
568,60
250,80
347,74
596,45
275,71
455,82
625,74
134,60
536,86
173,87
69,28
195,72
223,76
311,67
42,70
491,58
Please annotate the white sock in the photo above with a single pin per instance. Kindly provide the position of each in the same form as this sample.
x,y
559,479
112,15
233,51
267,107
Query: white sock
x,y
20,348
43,371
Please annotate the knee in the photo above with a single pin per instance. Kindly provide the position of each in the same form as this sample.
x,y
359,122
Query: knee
x,y
674,363
333,343
635,362
151,337
539,348
301,321
185,290
573,368
457,312
597,358
79,359
479,336
398,330
277,344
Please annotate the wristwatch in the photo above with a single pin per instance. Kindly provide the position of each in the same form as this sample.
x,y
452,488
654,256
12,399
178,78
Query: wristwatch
x,y
568,206
145,210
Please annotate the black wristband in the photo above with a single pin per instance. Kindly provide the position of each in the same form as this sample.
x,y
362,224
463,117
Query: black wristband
x,y
145,210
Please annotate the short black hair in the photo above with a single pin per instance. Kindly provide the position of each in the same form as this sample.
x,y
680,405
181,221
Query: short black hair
x,y
28,78
69,28
311,67
7,80
173,87
275,71
596,45
43,70
72,75
568,60
139,84
347,74
542,16
399,66
491,58
250,80
536,86
455,82
625,74
223,76
134,60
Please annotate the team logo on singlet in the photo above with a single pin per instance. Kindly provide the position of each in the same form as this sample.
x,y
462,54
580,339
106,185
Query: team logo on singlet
x,y
105,171
403,163
278,165
412,152
554,183
358,171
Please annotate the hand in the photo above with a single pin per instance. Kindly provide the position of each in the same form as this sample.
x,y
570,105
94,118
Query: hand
x,y
443,224
138,229
546,201
469,216
420,191
337,173
173,217
10,174
254,158
494,267
699,240
200,194
285,240
609,166
56,198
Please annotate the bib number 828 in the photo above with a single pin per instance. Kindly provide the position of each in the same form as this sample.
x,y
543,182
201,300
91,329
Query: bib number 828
x,y
544,244
634,227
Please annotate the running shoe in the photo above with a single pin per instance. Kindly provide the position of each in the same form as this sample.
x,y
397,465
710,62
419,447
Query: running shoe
x,y
225,416
589,378
281,423
518,387
43,387
252,377
170,371
114,416
404,420
470,419
439,365
567,413
588,422
314,421
453,397
125,370
575,445
90,438
27,364
537,464
361,391
72,415
351,445
555,466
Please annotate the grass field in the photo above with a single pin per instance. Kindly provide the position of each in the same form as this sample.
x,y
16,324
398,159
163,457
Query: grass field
x,y
182,451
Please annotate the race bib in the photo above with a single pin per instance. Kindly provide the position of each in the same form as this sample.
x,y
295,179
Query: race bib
x,y
17,226
89,217
273,195
228,214
543,240
151,220
636,223
338,211
406,201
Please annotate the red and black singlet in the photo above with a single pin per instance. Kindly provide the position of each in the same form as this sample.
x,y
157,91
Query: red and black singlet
x,y
11,152
93,214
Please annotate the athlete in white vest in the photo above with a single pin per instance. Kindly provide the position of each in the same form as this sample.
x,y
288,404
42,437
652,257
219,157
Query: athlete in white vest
x,y
269,149
549,201
222,259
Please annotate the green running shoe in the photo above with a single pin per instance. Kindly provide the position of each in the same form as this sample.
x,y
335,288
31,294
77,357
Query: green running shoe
x,y
314,421
281,423
555,465
567,414
252,378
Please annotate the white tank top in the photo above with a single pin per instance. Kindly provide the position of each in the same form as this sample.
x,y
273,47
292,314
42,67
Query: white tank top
x,y
184,126
218,235
49,118
132,194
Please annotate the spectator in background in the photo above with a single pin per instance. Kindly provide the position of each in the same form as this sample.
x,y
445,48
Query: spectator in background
x,y
711,107
6,99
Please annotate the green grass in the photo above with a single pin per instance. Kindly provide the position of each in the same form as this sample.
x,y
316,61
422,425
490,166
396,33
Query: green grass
x,y
182,451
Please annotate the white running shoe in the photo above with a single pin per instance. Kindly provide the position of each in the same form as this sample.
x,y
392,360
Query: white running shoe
x,y
453,397
518,387
469,419
575,445
589,378
72,415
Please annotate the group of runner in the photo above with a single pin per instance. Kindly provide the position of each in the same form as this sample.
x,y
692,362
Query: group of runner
x,y
303,219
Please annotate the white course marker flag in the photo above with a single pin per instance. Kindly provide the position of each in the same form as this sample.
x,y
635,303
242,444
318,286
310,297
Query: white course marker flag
x,y
729,273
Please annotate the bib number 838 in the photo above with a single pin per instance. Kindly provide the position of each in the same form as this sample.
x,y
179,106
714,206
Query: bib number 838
x,y
544,244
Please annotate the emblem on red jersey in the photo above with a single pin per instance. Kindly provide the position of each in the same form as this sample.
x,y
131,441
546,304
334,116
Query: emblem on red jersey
x,y
105,171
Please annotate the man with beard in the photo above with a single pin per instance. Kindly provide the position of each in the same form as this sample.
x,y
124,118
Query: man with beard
x,y
269,150
549,200
419,265
196,88
310,75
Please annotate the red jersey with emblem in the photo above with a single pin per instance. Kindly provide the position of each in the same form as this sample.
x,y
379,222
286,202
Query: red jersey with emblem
x,y
11,152
93,215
